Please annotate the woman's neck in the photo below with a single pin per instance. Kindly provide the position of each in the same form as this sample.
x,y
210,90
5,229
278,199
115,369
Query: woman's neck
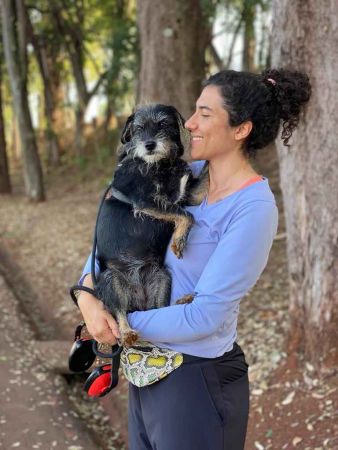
x,y
227,175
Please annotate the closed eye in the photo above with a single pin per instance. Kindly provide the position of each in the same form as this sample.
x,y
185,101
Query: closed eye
x,y
162,123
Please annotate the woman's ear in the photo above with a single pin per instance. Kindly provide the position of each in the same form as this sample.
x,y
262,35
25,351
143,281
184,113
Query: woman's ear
x,y
243,130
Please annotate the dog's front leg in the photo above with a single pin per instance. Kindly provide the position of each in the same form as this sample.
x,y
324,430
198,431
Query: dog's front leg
x,y
128,335
182,219
183,224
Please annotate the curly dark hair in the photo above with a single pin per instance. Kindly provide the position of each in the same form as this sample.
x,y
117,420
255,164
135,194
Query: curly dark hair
x,y
266,99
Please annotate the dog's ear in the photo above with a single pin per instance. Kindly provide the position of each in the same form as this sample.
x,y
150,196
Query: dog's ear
x,y
121,153
126,132
184,133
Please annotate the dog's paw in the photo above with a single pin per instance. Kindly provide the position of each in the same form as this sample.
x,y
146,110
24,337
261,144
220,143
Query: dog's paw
x,y
129,338
138,213
178,245
185,299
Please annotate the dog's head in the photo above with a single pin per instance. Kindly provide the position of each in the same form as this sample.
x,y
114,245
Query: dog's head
x,y
154,132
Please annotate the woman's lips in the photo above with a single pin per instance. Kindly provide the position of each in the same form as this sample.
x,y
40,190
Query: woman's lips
x,y
196,138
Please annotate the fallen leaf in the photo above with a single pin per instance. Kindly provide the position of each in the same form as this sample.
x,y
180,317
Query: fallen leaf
x,y
296,441
288,399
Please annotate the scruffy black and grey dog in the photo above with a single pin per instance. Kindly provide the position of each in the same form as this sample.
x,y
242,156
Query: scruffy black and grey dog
x,y
141,212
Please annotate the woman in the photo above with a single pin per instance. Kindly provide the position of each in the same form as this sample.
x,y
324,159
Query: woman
x,y
204,403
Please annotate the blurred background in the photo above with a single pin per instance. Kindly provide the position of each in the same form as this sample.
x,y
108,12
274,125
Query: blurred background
x,y
71,72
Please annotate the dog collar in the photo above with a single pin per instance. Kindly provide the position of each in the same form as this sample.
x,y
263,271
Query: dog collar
x,y
119,196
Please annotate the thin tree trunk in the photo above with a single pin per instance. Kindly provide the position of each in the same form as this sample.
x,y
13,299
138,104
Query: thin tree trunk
x,y
233,41
108,116
41,49
53,145
15,60
248,61
79,138
173,38
215,57
305,37
5,184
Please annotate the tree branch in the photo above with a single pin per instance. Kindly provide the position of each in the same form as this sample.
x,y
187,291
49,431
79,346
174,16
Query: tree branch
x,y
217,59
98,84
234,38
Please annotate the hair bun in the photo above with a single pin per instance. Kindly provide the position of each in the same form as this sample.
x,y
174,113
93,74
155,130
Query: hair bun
x,y
291,90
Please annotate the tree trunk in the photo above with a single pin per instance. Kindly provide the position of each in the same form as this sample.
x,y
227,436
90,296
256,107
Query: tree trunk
x,y
15,60
305,38
249,44
44,52
79,125
173,38
16,150
5,184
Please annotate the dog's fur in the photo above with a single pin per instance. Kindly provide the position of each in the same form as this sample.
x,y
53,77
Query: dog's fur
x,y
132,238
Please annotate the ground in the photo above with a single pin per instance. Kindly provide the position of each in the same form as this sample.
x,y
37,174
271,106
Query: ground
x,y
45,246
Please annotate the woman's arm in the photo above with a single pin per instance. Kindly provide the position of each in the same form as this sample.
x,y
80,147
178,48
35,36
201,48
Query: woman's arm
x,y
88,268
232,270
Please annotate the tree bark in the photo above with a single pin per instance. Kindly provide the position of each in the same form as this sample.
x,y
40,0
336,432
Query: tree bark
x,y
16,64
5,184
305,37
173,39
249,44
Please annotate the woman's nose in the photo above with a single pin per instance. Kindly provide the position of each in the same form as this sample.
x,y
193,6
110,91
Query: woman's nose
x,y
190,123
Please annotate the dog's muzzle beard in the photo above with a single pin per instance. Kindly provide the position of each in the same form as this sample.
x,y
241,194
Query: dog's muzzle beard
x,y
152,151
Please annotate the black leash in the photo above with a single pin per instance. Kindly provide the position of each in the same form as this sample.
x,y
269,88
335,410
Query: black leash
x,y
115,365
78,287
115,355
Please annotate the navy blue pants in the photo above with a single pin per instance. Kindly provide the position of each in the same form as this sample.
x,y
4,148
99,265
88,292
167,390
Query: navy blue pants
x,y
202,405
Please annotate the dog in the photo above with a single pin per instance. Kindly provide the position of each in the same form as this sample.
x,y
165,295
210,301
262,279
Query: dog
x,y
141,211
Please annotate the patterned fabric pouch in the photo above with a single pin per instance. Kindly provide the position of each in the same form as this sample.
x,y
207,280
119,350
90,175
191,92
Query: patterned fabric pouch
x,y
145,364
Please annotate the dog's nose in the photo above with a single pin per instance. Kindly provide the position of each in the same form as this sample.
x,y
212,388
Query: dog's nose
x,y
150,145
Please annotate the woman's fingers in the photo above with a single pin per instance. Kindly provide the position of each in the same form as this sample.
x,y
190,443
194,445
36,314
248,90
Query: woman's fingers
x,y
100,328
105,328
105,336
100,324
113,326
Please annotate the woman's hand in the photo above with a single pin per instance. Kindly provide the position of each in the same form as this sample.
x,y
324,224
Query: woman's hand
x,y
100,324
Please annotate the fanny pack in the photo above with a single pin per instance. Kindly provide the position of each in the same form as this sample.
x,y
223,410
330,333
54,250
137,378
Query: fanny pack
x,y
144,364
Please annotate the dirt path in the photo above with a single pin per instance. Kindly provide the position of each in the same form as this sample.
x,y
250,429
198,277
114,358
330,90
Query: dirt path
x,y
35,409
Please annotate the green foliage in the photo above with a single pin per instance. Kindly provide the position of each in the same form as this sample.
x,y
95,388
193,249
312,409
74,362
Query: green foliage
x,y
209,8
104,35
104,32
81,161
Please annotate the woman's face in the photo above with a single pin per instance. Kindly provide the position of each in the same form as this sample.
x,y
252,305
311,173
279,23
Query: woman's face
x,y
211,134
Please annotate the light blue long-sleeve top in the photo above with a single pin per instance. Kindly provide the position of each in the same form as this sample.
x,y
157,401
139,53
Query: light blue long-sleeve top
x,y
226,252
